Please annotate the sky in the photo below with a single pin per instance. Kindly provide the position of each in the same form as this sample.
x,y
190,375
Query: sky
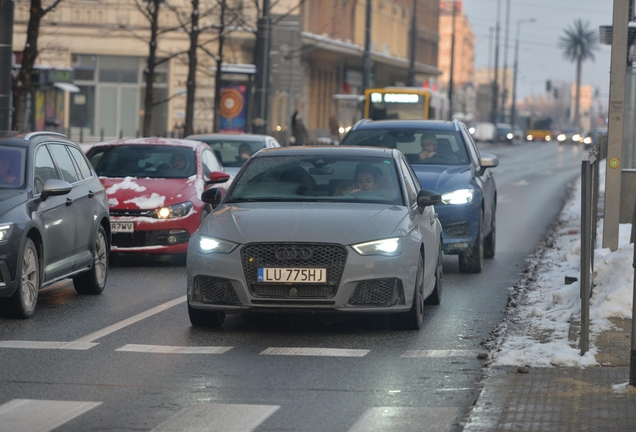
x,y
540,59
546,307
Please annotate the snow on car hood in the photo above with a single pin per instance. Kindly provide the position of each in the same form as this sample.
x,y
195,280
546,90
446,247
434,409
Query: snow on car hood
x,y
443,178
148,193
345,223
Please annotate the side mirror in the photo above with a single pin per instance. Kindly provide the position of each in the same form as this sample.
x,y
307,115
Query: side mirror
x,y
487,161
211,196
427,198
55,187
218,177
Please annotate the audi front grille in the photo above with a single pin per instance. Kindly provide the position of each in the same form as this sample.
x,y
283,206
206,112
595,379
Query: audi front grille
x,y
294,255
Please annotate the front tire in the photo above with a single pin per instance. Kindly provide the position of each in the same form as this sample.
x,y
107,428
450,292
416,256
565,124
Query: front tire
x,y
491,239
199,318
94,280
436,296
22,303
472,261
413,319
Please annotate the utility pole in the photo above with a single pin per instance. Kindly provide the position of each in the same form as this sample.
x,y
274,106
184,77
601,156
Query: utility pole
x,y
495,84
513,107
6,62
504,93
411,78
262,70
452,65
366,66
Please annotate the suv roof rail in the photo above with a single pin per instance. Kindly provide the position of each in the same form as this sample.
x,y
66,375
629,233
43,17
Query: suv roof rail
x,y
43,133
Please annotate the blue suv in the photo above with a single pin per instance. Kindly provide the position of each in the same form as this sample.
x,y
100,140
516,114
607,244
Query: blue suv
x,y
446,160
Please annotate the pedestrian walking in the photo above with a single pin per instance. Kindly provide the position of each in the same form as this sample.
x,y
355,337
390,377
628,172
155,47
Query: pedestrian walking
x,y
299,131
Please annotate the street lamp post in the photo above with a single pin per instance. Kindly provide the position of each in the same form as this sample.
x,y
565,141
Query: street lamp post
x,y
495,84
513,108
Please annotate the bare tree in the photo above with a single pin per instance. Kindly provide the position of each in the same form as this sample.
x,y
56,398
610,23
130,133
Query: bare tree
x,y
29,55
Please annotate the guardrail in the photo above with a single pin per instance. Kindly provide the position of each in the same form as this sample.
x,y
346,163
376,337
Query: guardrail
x,y
589,218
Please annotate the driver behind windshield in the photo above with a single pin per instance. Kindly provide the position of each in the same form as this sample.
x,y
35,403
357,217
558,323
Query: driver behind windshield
x,y
429,144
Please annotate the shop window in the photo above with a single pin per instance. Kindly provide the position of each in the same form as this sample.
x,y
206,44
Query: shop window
x,y
118,69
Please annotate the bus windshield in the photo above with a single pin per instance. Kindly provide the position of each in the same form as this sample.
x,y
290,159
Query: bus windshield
x,y
387,105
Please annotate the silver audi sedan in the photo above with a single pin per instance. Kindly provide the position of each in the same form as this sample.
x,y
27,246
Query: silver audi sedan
x,y
318,229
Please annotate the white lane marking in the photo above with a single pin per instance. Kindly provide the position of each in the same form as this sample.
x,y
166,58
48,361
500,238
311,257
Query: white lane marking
x,y
325,352
380,419
46,345
217,418
132,320
165,349
29,415
439,353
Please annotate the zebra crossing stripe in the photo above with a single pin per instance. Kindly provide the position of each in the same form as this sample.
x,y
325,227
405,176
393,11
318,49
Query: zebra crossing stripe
x,y
81,346
439,353
323,352
30,415
404,419
217,418
164,349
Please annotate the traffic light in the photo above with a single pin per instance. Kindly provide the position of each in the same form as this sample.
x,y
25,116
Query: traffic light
x,y
548,85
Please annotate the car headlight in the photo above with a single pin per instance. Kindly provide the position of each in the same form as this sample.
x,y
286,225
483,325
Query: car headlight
x,y
576,137
529,137
5,232
561,137
587,140
461,196
388,247
174,211
510,136
211,244
471,130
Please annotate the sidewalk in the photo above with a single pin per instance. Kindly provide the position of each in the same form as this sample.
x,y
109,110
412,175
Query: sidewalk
x,y
537,380
564,399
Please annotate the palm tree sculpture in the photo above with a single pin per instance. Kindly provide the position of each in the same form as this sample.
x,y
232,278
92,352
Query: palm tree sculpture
x,y
578,45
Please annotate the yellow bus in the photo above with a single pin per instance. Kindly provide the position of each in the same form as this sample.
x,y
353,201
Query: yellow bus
x,y
405,103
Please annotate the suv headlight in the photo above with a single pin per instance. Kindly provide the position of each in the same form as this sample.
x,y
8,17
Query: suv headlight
x,y
174,211
388,247
5,231
211,244
461,196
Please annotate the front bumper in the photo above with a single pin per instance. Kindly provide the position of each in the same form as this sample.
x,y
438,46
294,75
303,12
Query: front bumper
x,y
155,236
369,284
460,225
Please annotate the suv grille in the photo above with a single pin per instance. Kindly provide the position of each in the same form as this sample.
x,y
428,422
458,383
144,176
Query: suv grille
x,y
377,292
216,290
294,255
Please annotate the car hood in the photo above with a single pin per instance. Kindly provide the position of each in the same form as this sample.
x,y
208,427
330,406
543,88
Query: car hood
x,y
147,193
10,198
443,178
304,222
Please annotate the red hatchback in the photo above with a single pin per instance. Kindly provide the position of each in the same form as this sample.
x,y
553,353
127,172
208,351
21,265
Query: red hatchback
x,y
154,188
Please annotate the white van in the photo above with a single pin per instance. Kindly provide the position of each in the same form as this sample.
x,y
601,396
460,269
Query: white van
x,y
485,132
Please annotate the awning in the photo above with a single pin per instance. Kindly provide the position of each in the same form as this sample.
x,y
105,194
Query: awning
x,y
71,88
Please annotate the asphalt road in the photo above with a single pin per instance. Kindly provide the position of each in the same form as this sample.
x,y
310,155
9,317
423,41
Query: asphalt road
x,y
129,360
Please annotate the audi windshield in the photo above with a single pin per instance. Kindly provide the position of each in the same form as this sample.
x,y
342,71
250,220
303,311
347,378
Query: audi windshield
x,y
318,178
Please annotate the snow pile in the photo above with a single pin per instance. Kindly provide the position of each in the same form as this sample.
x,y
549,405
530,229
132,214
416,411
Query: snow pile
x,y
541,307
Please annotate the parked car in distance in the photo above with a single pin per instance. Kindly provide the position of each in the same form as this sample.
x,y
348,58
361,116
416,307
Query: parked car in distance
x,y
154,188
505,133
318,229
592,138
54,221
233,150
457,171
485,132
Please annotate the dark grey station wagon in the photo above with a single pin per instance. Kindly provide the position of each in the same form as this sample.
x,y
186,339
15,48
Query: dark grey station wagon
x,y
54,221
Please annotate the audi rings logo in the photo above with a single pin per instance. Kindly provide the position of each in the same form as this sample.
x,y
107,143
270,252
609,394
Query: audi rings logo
x,y
292,253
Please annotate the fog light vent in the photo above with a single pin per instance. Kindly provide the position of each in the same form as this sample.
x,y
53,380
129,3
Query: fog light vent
x,y
377,292
216,290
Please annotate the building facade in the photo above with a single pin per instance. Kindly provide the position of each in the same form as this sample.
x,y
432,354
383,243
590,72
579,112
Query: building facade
x,y
316,52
